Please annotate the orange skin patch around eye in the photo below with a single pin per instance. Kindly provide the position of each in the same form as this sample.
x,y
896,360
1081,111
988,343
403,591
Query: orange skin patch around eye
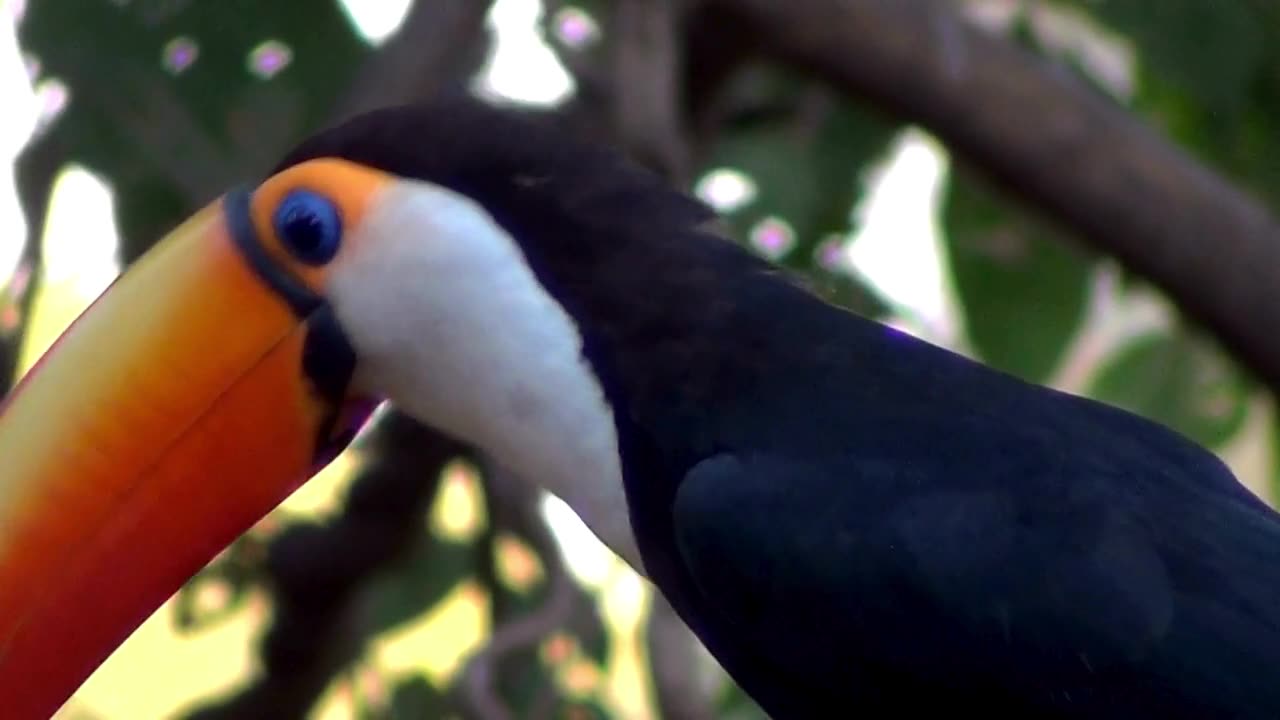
x,y
351,187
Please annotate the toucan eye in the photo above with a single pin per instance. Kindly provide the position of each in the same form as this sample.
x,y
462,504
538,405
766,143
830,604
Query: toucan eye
x,y
309,226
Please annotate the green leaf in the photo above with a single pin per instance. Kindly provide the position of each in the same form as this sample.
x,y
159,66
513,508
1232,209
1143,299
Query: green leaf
x,y
1209,50
807,179
415,697
847,142
1179,380
735,704
146,208
419,581
1205,75
412,697
772,156
166,101
524,680
592,635
806,176
1023,288
582,710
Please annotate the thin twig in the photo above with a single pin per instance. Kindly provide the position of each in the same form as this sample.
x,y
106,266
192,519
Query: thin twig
x,y
515,506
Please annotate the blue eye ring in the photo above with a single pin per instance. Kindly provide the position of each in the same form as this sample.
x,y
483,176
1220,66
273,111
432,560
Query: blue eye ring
x,y
309,226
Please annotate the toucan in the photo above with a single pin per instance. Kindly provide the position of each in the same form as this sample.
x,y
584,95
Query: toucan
x,y
855,522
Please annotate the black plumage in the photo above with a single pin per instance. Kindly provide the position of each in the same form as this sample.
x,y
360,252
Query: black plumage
x,y
853,520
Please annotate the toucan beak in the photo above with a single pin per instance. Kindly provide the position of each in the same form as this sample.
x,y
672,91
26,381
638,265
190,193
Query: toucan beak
x,y
188,401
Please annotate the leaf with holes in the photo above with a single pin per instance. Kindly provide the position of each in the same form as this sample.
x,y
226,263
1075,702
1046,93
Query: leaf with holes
x,y
1180,380
174,100
1023,289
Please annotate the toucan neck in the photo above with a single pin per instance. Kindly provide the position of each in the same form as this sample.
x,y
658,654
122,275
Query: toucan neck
x,y
674,317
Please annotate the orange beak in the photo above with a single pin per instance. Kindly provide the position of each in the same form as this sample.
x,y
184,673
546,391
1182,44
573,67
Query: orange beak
x,y
189,400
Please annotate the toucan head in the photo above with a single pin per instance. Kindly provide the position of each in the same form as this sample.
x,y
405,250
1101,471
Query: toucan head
x,y
405,255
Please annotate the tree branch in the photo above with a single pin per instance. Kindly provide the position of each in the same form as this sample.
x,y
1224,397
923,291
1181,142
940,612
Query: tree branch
x,y
1055,142
436,46
514,506
646,58
317,572
683,687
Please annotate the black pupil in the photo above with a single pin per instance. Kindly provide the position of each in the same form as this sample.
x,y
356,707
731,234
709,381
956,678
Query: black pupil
x,y
303,229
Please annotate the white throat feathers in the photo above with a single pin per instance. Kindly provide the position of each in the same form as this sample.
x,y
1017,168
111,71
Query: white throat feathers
x,y
452,326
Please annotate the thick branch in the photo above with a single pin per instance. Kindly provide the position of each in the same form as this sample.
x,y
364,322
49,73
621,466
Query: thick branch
x,y
436,46
1055,142
645,63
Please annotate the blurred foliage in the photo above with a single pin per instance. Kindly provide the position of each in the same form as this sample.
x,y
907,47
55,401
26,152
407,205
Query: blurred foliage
x,y
1208,75
805,163
431,570
1179,379
173,100
222,587
1024,290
